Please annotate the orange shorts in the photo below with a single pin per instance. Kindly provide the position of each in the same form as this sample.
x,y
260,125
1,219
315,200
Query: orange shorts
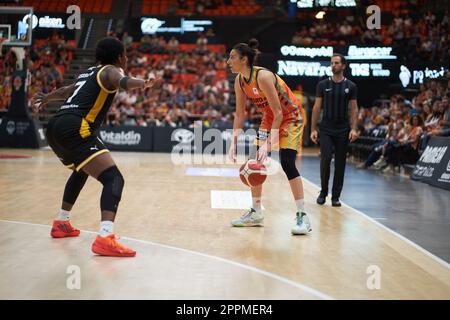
x,y
290,134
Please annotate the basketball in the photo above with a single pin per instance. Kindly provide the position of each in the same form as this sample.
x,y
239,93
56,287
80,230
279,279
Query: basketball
x,y
253,173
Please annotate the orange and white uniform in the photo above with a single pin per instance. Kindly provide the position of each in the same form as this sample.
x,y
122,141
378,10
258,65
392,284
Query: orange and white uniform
x,y
294,119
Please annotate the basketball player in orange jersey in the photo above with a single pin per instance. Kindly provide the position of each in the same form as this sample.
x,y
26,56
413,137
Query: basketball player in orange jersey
x,y
72,134
281,128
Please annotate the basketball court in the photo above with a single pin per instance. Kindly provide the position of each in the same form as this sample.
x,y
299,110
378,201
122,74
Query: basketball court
x,y
390,240
188,250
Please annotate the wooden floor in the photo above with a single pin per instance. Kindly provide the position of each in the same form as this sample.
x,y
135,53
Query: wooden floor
x,y
186,249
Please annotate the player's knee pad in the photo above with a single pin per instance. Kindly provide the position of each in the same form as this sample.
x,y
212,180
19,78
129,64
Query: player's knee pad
x,y
287,158
113,184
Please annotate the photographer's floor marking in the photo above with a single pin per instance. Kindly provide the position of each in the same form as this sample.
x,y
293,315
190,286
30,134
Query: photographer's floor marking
x,y
35,266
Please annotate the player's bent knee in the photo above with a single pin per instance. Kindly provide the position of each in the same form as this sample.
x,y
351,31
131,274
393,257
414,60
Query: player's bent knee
x,y
113,183
287,157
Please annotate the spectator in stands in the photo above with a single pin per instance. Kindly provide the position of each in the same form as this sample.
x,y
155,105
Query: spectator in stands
x,y
403,146
141,122
162,45
210,34
202,43
127,40
179,115
441,129
113,118
345,30
172,45
377,154
145,44
199,7
220,121
408,152
433,120
297,39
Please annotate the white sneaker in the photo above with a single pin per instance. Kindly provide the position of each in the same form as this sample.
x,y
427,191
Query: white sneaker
x,y
380,163
303,226
249,219
388,169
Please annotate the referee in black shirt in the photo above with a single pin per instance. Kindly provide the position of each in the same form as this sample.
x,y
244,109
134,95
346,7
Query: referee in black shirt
x,y
334,95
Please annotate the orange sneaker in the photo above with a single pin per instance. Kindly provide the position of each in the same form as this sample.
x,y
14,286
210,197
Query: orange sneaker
x,y
63,229
108,246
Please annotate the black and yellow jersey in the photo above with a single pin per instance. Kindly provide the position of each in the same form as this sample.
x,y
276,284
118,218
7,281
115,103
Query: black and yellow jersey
x,y
90,100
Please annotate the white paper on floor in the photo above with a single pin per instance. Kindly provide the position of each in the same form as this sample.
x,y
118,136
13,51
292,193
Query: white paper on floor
x,y
213,172
226,199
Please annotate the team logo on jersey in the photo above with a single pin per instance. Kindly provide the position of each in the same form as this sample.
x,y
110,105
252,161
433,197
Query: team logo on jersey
x,y
255,91
346,90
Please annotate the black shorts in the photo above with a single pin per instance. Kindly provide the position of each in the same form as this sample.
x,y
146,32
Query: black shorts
x,y
70,138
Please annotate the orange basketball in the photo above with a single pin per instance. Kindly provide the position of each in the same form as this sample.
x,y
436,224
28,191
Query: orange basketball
x,y
253,173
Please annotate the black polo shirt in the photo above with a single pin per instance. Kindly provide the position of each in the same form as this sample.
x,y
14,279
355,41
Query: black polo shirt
x,y
335,104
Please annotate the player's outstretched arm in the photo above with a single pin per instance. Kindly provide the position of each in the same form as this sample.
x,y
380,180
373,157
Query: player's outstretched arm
x,y
40,99
112,78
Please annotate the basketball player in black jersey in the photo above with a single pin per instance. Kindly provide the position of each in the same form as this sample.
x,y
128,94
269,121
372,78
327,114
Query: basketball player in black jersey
x,y
72,134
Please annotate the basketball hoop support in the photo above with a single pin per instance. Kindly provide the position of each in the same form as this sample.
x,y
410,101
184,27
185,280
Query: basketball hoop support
x,y
20,56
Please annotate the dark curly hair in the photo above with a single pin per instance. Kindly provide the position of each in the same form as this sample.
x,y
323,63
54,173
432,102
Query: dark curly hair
x,y
108,50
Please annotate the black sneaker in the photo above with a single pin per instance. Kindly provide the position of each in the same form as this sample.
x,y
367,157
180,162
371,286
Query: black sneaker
x,y
321,198
335,203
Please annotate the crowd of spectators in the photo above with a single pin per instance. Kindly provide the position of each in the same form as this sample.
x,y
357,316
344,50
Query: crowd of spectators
x,y
422,37
46,60
195,87
405,127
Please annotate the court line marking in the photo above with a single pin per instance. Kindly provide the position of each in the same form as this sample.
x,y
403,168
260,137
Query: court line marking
x,y
415,245
268,274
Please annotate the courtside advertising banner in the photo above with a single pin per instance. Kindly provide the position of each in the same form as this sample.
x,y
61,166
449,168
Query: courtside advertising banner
x,y
433,166
127,138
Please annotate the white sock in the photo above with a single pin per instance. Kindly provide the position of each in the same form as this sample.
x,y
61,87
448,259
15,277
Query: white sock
x,y
300,205
256,204
106,228
63,215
